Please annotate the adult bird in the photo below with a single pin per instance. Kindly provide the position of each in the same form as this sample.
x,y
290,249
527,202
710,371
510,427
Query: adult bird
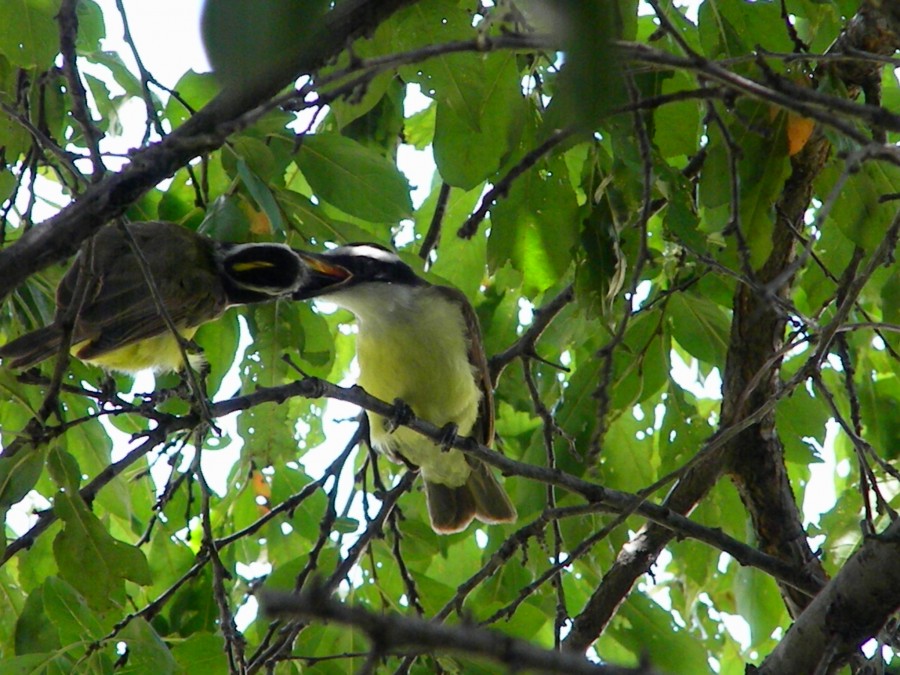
x,y
419,343
115,320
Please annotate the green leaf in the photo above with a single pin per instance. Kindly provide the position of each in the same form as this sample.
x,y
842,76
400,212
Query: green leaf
x,y
467,155
262,195
91,28
201,653
42,664
69,612
587,32
219,340
268,430
194,90
534,228
12,602
800,416
733,29
35,632
461,263
63,468
418,129
19,474
677,125
308,219
354,178
14,138
147,653
106,105
84,544
452,79
700,327
643,627
276,32
29,34
759,603
119,71
859,211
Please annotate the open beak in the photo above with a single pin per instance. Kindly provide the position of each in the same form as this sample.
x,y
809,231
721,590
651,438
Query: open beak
x,y
324,276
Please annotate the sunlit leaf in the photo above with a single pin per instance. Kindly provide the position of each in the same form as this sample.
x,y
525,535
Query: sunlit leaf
x,y
354,178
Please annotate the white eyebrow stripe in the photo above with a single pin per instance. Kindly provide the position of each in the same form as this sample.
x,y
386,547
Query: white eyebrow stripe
x,y
363,251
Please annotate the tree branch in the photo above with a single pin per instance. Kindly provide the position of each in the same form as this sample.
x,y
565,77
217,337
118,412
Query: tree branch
x,y
389,632
847,612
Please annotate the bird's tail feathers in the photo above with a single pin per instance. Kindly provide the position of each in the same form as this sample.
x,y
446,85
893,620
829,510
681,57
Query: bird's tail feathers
x,y
32,348
492,504
451,509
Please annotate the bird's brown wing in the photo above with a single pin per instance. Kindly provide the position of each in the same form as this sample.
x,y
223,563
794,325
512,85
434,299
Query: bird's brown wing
x,y
482,497
119,308
484,424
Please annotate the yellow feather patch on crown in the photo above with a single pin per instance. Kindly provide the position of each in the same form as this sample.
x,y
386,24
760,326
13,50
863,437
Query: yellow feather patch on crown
x,y
252,265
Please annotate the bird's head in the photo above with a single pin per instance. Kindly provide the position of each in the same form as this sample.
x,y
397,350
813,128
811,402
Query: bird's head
x,y
259,271
352,266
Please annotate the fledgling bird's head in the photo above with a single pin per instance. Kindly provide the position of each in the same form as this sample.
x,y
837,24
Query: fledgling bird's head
x,y
256,272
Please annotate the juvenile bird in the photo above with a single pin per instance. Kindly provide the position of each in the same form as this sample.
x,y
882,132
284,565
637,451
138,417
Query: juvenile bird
x,y
118,325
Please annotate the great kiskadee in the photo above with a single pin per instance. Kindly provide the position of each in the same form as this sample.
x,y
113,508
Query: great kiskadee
x,y
119,326
419,343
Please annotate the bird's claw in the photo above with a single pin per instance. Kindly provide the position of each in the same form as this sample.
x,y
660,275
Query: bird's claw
x,y
448,435
403,414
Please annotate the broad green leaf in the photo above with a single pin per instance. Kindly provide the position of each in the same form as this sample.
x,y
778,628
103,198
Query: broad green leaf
x,y
120,72
859,211
91,28
268,430
587,31
106,106
194,90
29,33
460,262
201,653
12,602
19,473
741,27
69,612
85,544
534,226
35,632
50,663
449,78
308,219
262,195
13,137
354,178
418,129
800,416
645,627
278,34
759,603
700,327
219,341
464,155
147,653
677,124
63,468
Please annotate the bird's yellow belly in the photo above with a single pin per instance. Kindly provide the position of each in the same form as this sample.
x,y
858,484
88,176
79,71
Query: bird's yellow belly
x,y
159,353
437,382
